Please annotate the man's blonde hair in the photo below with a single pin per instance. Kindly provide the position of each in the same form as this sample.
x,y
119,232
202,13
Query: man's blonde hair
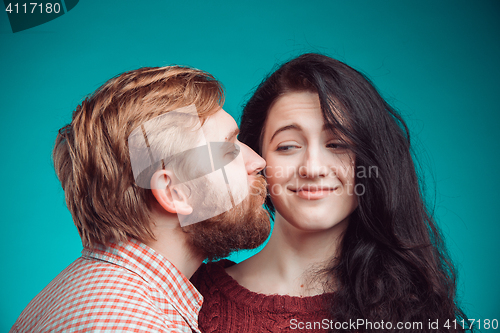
x,y
91,155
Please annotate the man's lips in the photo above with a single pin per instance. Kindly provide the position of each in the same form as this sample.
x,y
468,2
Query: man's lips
x,y
313,192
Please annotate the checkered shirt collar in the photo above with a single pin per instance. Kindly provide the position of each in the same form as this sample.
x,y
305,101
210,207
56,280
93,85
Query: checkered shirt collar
x,y
156,270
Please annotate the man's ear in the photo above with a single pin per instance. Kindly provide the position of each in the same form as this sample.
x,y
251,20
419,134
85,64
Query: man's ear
x,y
173,198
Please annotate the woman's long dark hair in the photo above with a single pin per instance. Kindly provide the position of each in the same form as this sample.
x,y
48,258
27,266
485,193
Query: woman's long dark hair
x,y
393,264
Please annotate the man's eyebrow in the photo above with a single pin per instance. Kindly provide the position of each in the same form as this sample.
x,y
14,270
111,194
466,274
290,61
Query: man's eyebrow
x,y
293,126
233,135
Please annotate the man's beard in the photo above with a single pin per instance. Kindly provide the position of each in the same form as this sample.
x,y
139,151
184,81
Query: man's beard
x,y
245,226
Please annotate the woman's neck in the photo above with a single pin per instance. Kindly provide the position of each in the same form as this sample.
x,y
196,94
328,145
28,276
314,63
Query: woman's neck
x,y
290,261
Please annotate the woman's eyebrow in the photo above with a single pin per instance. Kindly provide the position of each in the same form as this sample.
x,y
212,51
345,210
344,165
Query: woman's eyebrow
x,y
293,126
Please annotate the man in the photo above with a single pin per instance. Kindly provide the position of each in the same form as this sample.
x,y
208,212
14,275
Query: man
x,y
156,182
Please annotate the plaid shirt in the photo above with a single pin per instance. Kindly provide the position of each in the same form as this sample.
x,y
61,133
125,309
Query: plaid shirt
x,y
121,287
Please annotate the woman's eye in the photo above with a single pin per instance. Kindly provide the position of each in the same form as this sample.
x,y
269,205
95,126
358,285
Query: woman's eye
x,y
337,146
285,148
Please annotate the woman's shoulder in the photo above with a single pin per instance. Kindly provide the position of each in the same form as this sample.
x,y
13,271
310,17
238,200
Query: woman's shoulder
x,y
211,268
211,275
216,285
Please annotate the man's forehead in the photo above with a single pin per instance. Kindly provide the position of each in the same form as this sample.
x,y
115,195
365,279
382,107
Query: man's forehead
x,y
220,127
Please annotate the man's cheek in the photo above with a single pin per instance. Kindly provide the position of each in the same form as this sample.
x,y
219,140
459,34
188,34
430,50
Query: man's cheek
x,y
215,200
237,179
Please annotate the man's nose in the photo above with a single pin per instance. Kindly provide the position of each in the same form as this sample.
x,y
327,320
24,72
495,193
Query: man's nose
x,y
253,162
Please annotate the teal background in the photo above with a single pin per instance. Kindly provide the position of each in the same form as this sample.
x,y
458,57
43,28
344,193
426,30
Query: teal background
x,y
436,61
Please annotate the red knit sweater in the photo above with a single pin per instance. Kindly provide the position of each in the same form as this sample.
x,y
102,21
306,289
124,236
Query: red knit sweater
x,y
229,307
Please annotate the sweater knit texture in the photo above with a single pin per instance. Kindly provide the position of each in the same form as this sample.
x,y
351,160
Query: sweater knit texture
x,y
229,307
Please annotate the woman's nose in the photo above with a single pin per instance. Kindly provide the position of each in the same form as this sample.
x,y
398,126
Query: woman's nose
x,y
313,164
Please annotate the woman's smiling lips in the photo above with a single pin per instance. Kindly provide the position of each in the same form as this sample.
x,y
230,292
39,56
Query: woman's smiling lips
x,y
313,192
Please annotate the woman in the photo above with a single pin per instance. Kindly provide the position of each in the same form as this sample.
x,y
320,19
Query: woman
x,y
351,232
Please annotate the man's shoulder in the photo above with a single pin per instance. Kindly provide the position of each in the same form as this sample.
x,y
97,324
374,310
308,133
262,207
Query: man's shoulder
x,y
91,294
89,275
